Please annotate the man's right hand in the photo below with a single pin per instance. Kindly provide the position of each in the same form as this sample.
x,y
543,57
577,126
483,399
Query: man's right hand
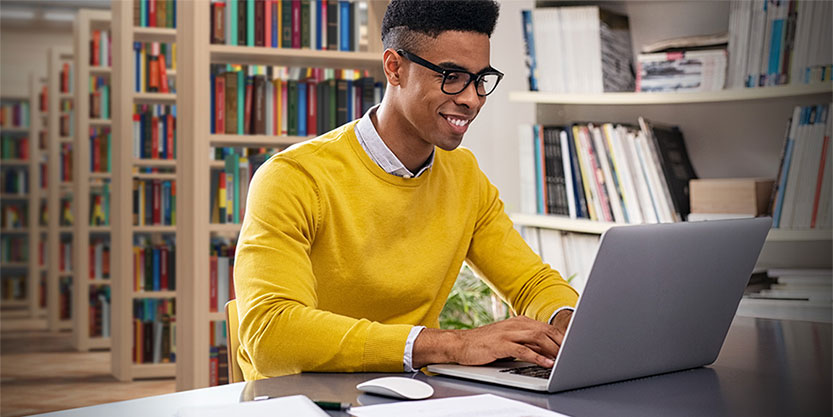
x,y
518,337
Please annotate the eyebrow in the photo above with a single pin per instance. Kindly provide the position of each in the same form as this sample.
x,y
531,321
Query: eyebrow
x,y
452,66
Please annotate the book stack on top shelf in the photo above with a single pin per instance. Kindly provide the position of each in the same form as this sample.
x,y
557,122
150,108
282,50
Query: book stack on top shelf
x,y
15,203
143,197
92,181
728,134
60,201
246,101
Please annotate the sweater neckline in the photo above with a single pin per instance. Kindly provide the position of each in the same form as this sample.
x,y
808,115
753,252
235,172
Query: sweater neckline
x,y
376,170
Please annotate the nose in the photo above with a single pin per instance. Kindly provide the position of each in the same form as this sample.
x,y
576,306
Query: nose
x,y
468,97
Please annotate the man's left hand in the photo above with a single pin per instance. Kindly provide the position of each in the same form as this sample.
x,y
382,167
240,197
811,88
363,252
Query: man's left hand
x,y
561,320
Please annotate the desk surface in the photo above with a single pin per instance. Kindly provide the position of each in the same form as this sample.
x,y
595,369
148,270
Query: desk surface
x,y
766,368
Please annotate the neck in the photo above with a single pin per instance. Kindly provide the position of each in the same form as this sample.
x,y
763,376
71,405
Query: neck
x,y
400,138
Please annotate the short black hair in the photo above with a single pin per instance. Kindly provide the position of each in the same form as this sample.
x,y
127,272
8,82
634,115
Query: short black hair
x,y
405,19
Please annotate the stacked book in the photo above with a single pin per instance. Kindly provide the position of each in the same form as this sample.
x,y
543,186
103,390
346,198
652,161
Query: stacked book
x,y
14,146
66,218
802,197
13,249
155,264
221,277
774,42
100,151
154,13
606,172
154,131
729,198
100,49
13,215
335,25
578,50
100,258
14,287
99,97
217,354
65,256
65,298
811,285
681,71
280,101
154,331
14,181
152,62
100,311
65,162
66,78
100,205
14,114
154,202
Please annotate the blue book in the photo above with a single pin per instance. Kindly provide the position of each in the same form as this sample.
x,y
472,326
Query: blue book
x,y
231,29
529,41
213,103
250,22
156,269
143,13
137,62
775,52
319,24
274,24
174,13
241,99
782,180
350,100
539,178
302,109
343,25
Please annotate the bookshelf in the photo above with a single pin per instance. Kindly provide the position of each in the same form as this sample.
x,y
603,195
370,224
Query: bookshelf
x,y
124,234
728,133
91,284
58,292
37,197
195,231
16,264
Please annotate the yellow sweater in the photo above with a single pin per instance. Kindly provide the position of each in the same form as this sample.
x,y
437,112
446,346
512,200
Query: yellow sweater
x,y
337,259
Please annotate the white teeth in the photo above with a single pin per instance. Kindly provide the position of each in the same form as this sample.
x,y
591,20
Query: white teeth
x,y
457,122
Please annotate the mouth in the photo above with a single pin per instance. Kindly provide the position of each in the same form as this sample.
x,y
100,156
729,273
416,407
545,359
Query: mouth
x,y
459,124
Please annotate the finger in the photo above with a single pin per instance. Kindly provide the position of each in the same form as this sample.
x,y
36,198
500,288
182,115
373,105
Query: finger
x,y
540,351
528,355
540,338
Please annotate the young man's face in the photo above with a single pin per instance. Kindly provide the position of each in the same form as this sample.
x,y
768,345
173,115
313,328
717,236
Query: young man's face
x,y
439,118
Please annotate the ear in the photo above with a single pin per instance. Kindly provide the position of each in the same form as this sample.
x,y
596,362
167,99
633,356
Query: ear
x,y
392,65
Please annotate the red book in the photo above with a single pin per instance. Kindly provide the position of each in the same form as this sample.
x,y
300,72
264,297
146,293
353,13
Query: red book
x,y
151,13
259,23
312,106
231,279
170,139
65,79
154,137
163,75
157,200
24,148
97,154
219,104
105,262
153,69
296,23
163,263
819,181
92,261
212,284
247,120
267,23
96,53
276,121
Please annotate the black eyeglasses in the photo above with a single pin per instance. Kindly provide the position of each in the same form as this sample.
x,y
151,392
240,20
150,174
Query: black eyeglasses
x,y
455,81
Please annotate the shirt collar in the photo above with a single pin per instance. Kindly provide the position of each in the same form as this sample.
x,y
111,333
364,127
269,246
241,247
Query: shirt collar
x,y
379,152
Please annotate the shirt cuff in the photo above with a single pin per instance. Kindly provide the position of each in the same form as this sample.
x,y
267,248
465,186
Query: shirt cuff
x,y
408,360
552,317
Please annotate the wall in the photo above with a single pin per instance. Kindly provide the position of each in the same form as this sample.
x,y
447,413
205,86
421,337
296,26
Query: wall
x,y
24,50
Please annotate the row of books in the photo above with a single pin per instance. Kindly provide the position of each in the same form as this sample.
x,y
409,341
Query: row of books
x,y
14,249
153,61
100,205
65,162
14,287
229,187
101,158
100,258
335,25
43,99
221,275
66,78
15,181
43,216
218,356
65,256
99,97
99,311
607,172
14,146
66,124
681,71
581,49
154,13
13,215
154,331
65,298
14,114
154,202
154,264
100,49
66,217
267,100
775,42
154,131
802,197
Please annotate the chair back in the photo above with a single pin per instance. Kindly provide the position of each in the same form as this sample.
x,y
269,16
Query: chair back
x,y
235,374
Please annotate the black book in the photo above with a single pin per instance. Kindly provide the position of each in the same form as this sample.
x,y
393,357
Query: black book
x,y
578,187
241,23
669,144
259,24
368,93
341,102
332,25
554,168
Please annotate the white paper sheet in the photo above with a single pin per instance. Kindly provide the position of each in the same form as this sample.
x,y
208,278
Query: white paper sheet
x,y
296,406
486,405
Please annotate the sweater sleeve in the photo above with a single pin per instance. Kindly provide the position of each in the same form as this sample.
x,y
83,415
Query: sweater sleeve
x,y
281,330
500,255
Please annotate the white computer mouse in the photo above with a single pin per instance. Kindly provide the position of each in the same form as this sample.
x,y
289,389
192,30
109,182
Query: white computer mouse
x,y
397,387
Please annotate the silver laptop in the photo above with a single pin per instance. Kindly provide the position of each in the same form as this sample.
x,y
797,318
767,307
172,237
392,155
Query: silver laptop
x,y
659,298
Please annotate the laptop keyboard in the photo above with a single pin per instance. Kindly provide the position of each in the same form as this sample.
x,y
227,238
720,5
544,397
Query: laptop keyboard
x,y
534,371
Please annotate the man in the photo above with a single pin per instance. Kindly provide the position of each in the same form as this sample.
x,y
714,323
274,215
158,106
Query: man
x,y
352,241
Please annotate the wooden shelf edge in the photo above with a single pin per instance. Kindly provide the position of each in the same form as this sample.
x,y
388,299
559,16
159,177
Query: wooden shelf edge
x,y
153,294
151,163
154,98
221,140
154,229
153,370
151,34
289,56
671,98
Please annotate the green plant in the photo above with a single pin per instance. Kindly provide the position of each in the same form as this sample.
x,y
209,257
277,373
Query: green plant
x,y
471,303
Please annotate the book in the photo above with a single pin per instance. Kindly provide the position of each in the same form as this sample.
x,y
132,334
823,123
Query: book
x,y
749,196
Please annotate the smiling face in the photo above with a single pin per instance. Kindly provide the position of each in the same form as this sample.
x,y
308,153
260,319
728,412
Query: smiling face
x,y
432,116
